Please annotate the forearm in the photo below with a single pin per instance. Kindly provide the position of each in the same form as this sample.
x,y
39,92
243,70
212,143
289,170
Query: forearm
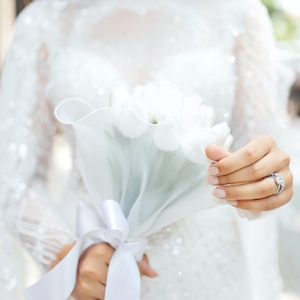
x,y
61,254
39,227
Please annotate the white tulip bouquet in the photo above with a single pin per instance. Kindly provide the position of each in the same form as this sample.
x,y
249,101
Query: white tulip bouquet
x,y
143,163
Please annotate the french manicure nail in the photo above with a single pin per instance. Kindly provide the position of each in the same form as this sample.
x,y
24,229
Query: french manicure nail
x,y
219,193
232,202
213,171
212,180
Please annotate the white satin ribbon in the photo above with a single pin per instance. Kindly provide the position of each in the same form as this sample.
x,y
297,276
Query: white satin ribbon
x,y
123,279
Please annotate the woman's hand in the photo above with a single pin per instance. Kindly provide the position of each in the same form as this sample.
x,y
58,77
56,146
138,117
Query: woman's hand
x,y
92,272
241,177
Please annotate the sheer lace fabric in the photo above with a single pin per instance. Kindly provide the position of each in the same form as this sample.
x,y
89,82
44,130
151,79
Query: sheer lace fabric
x,y
222,50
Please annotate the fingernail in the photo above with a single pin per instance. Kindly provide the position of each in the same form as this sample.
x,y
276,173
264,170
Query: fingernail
x,y
152,273
219,193
212,180
232,202
213,171
148,271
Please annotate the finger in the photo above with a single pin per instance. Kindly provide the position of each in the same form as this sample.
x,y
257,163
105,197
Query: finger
x,y
268,203
272,162
88,288
93,269
146,269
215,153
103,251
77,297
253,190
245,156
94,262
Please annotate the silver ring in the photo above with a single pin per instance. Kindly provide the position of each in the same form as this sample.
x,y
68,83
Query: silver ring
x,y
279,181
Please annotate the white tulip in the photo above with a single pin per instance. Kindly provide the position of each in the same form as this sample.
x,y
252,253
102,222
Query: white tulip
x,y
178,120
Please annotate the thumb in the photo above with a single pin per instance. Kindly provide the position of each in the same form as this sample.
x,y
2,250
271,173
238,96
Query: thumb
x,y
146,269
215,153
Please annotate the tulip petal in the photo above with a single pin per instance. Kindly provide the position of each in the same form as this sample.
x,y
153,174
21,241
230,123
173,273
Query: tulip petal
x,y
166,137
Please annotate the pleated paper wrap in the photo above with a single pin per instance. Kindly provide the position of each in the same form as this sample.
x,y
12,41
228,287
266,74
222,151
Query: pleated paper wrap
x,y
140,177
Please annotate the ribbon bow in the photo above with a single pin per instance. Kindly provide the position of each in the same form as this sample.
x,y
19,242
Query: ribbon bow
x,y
123,278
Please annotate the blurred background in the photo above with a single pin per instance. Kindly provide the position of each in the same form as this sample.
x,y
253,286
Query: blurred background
x,y
9,9
285,17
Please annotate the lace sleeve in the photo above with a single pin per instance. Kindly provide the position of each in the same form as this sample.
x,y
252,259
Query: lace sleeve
x,y
258,108
27,128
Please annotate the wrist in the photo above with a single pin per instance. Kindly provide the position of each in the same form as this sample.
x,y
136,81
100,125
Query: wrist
x,y
62,253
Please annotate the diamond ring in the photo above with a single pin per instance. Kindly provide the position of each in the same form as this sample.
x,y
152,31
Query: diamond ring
x,y
279,181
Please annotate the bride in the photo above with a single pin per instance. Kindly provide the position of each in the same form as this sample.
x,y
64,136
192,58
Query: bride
x,y
222,50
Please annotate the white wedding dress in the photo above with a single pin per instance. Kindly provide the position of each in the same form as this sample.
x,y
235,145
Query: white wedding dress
x,y
220,49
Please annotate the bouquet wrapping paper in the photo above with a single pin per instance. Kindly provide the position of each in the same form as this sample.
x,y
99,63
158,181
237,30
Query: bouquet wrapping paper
x,y
143,163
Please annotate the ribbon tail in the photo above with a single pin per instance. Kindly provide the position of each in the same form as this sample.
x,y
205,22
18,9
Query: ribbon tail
x,y
123,278
59,282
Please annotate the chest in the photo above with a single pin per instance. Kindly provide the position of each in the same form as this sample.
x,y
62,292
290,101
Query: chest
x,y
183,46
